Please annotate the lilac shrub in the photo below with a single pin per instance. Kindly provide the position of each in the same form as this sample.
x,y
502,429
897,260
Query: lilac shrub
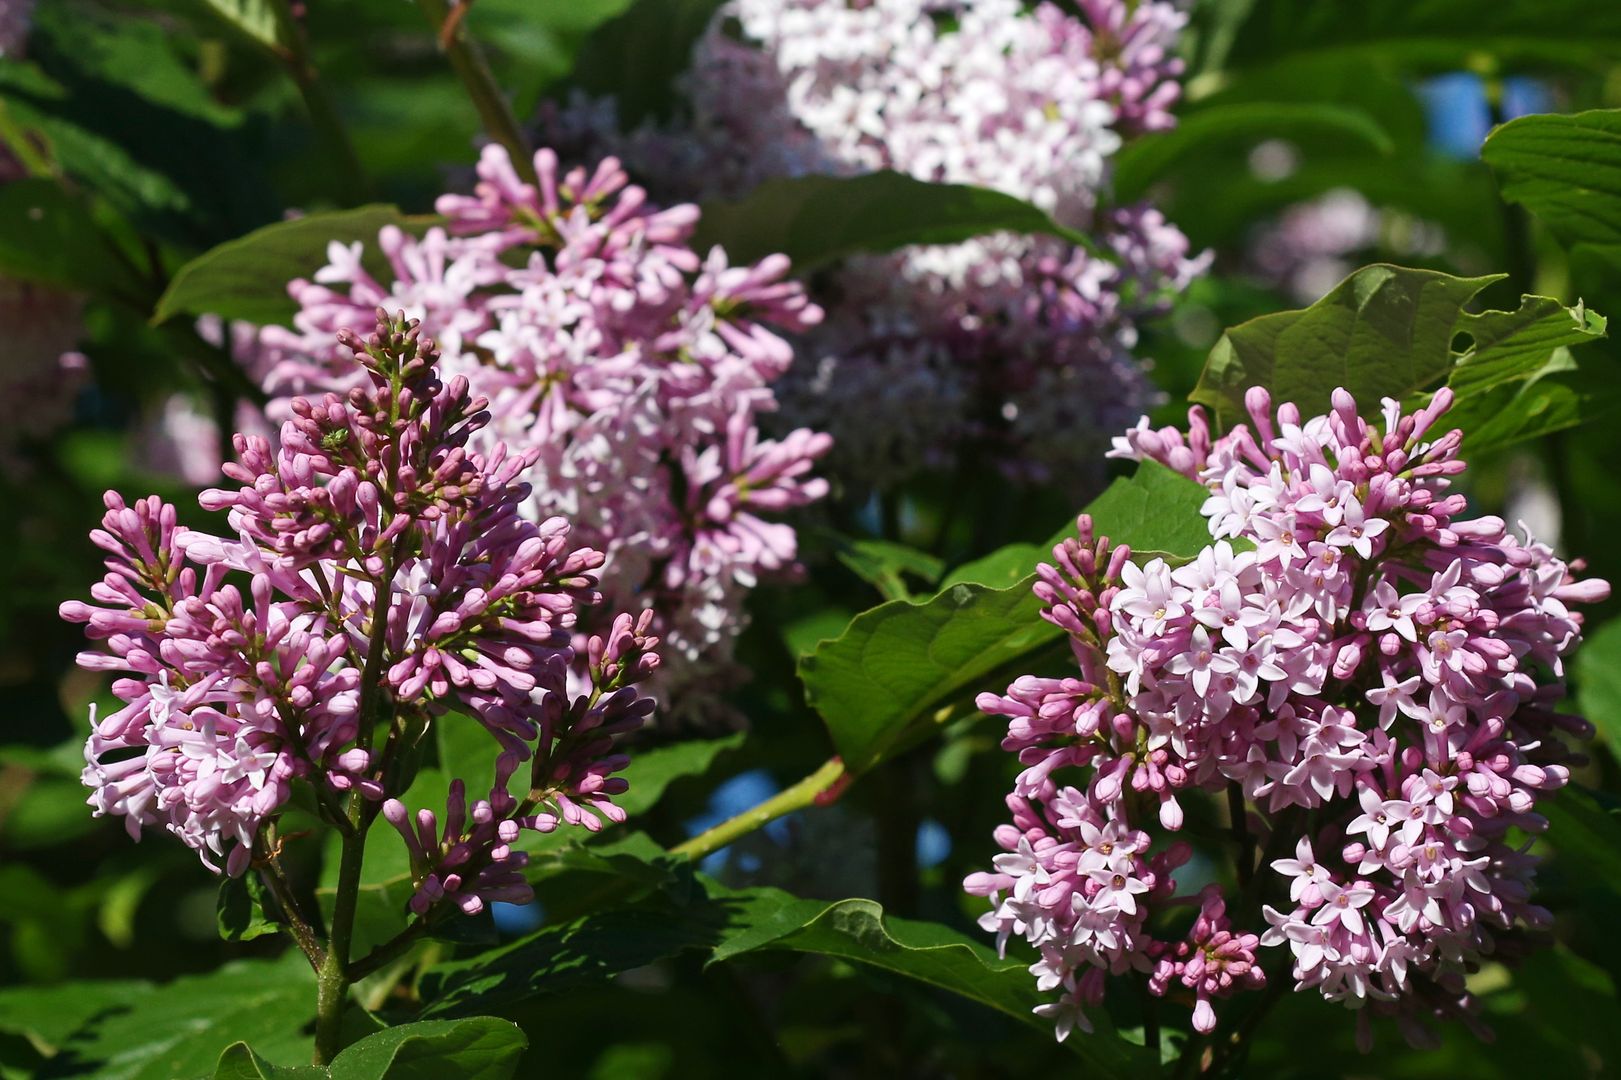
x,y
1371,681
377,577
1008,348
626,369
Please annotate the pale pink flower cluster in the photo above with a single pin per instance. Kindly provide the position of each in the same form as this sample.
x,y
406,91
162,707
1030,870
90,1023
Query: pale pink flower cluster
x,y
1001,348
630,369
386,576
41,375
1373,683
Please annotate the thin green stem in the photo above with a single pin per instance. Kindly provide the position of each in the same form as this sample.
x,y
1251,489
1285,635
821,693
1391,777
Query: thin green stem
x,y
1245,860
805,793
334,977
467,61
275,879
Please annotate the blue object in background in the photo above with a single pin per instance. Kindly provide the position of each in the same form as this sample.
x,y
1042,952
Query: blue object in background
x,y
1459,117
736,795
514,919
933,844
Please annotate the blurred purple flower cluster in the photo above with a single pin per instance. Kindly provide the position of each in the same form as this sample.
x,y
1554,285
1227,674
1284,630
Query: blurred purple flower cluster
x,y
1015,348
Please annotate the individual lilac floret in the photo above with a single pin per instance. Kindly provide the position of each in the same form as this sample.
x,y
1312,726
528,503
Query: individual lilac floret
x,y
391,578
626,371
1373,685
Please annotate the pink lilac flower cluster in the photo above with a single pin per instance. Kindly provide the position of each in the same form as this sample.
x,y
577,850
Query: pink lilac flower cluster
x,y
631,370
1002,347
1371,681
377,573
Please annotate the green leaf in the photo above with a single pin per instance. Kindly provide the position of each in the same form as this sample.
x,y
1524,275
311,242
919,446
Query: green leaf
x,y
817,219
241,913
1434,35
637,57
878,683
1388,331
652,771
136,1030
49,237
1385,331
239,1061
1565,169
247,278
885,565
859,931
478,1048
579,952
260,21
1598,681
728,923
1150,158
1585,832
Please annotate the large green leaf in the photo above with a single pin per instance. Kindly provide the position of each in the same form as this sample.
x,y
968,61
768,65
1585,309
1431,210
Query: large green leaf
x,y
878,683
477,1048
725,924
1388,331
247,278
263,22
1148,159
1586,832
1435,34
1567,171
1598,681
859,931
140,1031
816,219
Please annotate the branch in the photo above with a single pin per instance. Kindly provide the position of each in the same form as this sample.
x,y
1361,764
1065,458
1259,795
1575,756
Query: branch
x,y
818,789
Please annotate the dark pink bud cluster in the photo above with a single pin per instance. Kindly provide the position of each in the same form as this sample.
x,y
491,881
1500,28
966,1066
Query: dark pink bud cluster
x,y
390,577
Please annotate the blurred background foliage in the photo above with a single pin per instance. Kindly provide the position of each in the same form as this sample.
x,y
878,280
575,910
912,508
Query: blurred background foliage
x,y
171,126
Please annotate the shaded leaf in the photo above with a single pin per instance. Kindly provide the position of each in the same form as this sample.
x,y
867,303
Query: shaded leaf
x,y
1586,832
49,237
816,219
1565,169
478,1048
885,565
1598,681
243,911
261,21
897,663
1436,35
247,278
1389,331
859,931
1145,160
637,56
141,1031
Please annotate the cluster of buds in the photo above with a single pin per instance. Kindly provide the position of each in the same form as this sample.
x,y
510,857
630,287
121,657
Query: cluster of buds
x,y
389,581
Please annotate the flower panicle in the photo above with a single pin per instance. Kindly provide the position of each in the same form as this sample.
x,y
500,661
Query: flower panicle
x,y
1370,681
